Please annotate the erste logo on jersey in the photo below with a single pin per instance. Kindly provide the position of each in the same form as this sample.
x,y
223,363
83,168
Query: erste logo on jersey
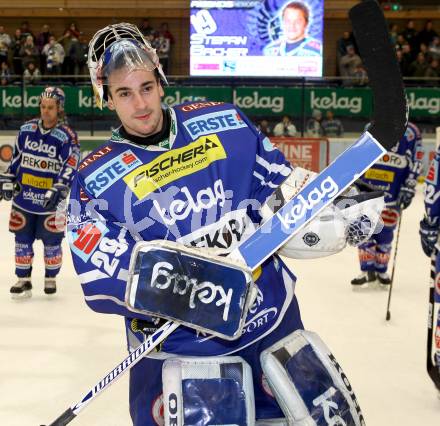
x,y
40,164
215,122
174,164
85,239
110,172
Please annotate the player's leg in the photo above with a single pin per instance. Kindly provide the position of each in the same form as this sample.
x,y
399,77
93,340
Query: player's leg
x,y
384,244
22,224
367,256
146,399
308,382
51,235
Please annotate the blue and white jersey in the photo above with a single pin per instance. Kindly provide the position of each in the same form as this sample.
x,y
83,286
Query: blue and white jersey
x,y
203,187
432,188
403,162
40,159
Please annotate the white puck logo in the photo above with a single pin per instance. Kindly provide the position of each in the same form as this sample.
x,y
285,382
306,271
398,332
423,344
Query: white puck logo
x,y
311,239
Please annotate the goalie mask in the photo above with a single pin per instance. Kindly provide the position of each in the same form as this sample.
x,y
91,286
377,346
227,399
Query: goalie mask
x,y
119,46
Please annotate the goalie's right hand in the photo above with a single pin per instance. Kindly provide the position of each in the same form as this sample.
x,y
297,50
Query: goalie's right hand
x,y
7,186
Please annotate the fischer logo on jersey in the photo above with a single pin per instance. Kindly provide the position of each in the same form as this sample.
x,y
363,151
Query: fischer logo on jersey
x,y
206,292
181,209
214,122
175,164
299,210
40,164
35,146
106,175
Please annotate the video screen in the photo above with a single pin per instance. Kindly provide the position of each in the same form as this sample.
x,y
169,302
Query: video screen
x,y
256,38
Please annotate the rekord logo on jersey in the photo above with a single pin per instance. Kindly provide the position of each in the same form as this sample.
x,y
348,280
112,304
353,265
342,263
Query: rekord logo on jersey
x,y
175,164
110,172
40,164
219,121
223,235
391,159
303,206
84,239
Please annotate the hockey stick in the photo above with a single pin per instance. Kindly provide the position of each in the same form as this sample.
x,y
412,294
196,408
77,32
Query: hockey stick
x,y
431,367
388,315
389,123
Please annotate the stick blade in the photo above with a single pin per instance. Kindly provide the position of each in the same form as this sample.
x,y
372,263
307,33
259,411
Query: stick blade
x,y
379,58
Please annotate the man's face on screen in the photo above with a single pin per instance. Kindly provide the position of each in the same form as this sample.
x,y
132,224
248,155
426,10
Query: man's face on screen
x,y
136,98
294,24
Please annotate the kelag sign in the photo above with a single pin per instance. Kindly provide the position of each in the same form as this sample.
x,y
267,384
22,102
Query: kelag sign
x,y
254,101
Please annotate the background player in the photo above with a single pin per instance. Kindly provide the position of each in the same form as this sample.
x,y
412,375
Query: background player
x,y
179,174
46,155
429,232
396,174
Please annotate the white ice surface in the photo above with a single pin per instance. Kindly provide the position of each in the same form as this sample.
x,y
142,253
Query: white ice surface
x,y
53,349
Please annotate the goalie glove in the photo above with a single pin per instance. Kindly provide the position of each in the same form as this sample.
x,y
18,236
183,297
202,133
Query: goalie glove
x,y
407,193
353,218
7,186
54,196
429,229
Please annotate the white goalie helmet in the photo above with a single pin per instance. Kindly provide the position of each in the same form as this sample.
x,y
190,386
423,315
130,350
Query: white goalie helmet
x,y
117,46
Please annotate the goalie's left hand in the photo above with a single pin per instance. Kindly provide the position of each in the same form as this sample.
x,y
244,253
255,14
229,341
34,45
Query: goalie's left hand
x,y
353,218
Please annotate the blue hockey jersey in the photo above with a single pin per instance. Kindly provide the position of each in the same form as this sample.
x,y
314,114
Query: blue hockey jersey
x,y
40,159
202,186
432,188
403,162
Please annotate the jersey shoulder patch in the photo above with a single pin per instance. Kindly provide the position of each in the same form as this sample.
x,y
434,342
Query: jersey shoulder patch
x,y
96,155
29,126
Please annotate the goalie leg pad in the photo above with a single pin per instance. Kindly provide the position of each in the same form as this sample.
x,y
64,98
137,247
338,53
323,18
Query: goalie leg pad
x,y
308,382
208,391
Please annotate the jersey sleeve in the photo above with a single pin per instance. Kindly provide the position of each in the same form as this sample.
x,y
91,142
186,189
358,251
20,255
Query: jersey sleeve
x,y
271,168
16,156
432,188
70,155
415,153
101,250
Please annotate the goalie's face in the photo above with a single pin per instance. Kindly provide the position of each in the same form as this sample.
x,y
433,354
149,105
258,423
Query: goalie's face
x,y
136,98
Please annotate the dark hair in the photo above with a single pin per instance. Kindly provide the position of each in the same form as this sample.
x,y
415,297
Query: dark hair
x,y
299,6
